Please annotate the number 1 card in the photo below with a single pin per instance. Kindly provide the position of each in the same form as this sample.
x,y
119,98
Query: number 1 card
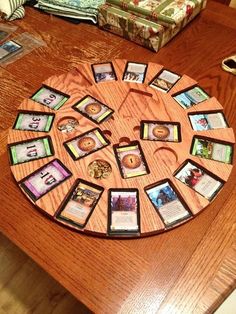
x,y
30,150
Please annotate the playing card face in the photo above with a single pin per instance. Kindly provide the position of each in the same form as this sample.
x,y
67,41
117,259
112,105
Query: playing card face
x,y
160,131
123,212
165,80
9,48
50,97
30,150
199,179
135,72
80,203
131,160
45,179
209,149
34,121
191,97
167,203
86,143
208,121
93,109
104,72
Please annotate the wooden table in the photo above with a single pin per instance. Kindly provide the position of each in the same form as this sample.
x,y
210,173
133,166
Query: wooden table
x,y
189,269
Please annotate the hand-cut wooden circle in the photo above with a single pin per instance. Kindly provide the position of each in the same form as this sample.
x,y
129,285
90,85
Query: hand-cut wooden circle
x,y
132,103
86,143
131,161
161,131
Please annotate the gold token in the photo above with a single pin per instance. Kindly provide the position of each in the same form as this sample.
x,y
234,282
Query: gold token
x,y
131,161
86,143
161,131
93,108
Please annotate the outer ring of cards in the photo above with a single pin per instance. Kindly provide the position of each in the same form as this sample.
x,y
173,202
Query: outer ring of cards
x,y
123,203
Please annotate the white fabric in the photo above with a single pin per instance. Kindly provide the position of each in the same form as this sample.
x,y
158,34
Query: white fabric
x,y
12,9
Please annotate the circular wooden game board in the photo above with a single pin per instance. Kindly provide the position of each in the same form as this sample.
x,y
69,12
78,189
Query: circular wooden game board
x,y
131,102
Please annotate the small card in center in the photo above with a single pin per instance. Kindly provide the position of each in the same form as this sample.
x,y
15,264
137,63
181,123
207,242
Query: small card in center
x,y
93,109
165,80
160,131
131,160
86,143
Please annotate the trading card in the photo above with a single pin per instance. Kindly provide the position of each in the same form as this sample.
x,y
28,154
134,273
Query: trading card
x,y
131,160
67,124
30,150
86,143
45,179
208,121
165,80
104,72
9,48
191,97
80,203
34,121
199,179
123,212
50,97
93,109
135,72
167,203
160,131
210,149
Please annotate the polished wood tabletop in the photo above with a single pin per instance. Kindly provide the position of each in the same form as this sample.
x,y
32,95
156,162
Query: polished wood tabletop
x,y
190,269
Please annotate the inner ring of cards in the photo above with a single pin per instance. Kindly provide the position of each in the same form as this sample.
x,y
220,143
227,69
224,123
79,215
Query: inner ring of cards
x,y
166,197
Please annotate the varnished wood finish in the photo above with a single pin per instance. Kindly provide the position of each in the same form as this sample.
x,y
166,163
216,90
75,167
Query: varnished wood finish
x,y
176,272
131,103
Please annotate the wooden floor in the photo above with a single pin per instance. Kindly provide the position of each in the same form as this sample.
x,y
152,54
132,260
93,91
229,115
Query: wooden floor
x,y
26,289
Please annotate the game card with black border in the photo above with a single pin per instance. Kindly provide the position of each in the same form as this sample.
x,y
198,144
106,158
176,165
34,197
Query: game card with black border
x,y
168,203
135,72
123,212
191,97
211,149
50,97
34,121
93,109
199,179
86,143
45,179
9,48
29,150
131,160
165,80
160,131
207,121
103,72
78,206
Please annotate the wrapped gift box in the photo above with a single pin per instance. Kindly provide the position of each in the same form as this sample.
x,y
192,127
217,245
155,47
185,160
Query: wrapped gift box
x,y
140,30
164,12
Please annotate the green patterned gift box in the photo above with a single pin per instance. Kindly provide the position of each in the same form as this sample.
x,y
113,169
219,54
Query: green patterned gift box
x,y
164,12
139,30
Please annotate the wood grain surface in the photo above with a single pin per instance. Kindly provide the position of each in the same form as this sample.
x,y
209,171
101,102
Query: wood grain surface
x,y
131,102
175,272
